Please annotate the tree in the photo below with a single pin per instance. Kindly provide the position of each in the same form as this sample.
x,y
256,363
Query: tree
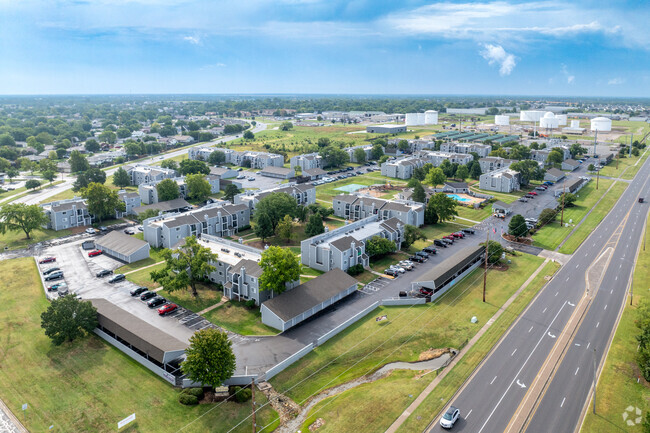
x,y
68,318
32,184
443,206
360,155
576,150
170,164
217,157
591,167
547,216
263,226
568,199
7,140
92,175
517,226
167,130
102,201
108,136
209,358
194,166
230,192
475,170
123,132
185,266
276,205
314,226
333,156
378,246
435,177
49,175
279,267
462,172
149,213
411,235
12,173
91,145
418,193
121,178
519,152
377,151
78,162
248,135
494,251
555,156
19,216
167,190
285,126
284,228
430,216
529,170
323,142
403,146
198,187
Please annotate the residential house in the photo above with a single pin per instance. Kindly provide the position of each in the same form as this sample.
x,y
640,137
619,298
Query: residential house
x,y
303,193
502,180
358,206
183,139
66,214
492,163
307,161
140,174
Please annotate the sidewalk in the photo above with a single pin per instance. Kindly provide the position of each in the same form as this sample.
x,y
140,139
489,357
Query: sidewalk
x,y
424,394
8,422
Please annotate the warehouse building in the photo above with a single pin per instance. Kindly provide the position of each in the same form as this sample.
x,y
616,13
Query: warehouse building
x,y
386,129
123,247
294,306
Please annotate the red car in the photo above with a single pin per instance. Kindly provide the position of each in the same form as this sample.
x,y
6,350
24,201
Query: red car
x,y
532,193
94,253
450,237
458,235
47,260
166,309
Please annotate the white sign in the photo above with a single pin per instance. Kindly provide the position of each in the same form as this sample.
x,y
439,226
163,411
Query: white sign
x,y
126,420
24,406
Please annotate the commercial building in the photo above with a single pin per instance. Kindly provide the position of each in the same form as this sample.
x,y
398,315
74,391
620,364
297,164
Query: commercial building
x,y
140,174
346,246
257,160
123,247
492,163
385,129
66,214
358,206
290,308
502,180
214,219
307,161
303,193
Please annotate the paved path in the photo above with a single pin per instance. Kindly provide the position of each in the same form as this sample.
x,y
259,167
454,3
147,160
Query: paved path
x,y
212,307
144,267
8,422
425,393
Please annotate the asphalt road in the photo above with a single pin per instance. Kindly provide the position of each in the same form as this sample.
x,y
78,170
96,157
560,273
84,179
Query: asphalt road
x,y
490,399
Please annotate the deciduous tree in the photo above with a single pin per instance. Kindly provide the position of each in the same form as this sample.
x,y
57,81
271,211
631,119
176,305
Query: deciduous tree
x,y
333,156
378,246
198,187
20,216
230,192
262,226
279,267
169,163
102,201
68,318
217,157
209,357
443,206
411,235
276,205
529,170
32,184
78,162
193,166
92,175
167,190
314,225
121,178
517,226
419,194
285,226
435,177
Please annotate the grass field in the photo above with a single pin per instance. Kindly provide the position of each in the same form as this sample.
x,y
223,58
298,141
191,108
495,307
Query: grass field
x,y
87,385
154,257
327,191
16,240
623,164
551,235
143,277
595,217
506,198
367,345
236,317
617,386
207,296
634,169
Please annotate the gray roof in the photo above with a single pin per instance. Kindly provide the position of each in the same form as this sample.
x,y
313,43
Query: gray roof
x,y
135,331
310,294
501,205
344,243
392,224
80,204
181,220
252,267
457,184
572,162
163,206
448,268
314,171
120,243
347,198
555,172
129,194
276,170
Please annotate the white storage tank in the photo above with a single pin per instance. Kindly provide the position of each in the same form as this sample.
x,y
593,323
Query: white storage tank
x,y
562,119
601,124
549,121
411,119
420,119
575,124
530,116
501,120
430,117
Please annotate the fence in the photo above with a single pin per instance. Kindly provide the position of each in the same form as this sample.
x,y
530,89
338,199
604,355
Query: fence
x,y
403,301
287,362
347,323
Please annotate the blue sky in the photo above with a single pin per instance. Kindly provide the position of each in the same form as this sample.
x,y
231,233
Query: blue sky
x,y
325,46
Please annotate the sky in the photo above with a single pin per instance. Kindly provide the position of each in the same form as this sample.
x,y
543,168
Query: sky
x,y
576,48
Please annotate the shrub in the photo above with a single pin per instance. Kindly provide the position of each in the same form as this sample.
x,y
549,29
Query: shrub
x,y
234,390
187,399
355,270
250,304
196,392
243,395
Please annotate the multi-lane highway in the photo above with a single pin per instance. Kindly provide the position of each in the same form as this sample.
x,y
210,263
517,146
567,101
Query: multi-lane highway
x,y
539,376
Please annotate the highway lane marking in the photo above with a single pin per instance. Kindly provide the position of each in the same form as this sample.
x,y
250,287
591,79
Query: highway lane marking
x,y
522,367
576,373
495,378
521,385
573,305
605,307
588,345
597,324
531,328
556,293
577,266
616,278
468,413
551,335
611,291
513,352
544,310
562,404
567,278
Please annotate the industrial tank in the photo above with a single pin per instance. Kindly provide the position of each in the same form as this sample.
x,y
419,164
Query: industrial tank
x,y
601,124
411,119
420,119
575,124
549,121
562,119
530,116
430,117
502,120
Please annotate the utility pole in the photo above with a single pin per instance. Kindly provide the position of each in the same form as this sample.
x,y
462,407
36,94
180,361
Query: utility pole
x,y
253,401
597,177
487,241
594,357
629,154
595,141
563,194
618,154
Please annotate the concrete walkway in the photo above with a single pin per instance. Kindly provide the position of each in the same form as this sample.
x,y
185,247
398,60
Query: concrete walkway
x,y
212,307
144,267
8,422
424,394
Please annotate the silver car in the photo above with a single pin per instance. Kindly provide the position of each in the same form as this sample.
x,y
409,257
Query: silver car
x,y
450,417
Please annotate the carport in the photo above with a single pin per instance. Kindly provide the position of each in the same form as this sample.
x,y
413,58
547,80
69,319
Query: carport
x,y
148,345
163,206
123,247
449,272
294,306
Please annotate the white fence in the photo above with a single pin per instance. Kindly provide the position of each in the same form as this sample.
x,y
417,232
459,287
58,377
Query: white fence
x,y
403,301
347,323
287,362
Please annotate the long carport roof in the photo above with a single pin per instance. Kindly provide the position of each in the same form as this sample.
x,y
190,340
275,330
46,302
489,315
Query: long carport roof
x,y
120,243
450,267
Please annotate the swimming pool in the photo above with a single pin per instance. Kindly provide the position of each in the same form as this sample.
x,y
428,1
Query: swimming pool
x,y
458,198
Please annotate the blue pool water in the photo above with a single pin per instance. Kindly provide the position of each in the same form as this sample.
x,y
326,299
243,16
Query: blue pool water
x,y
350,188
457,197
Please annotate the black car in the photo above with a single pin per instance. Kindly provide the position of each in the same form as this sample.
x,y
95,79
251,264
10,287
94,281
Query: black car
x,y
439,243
138,291
417,259
103,273
430,250
147,295
422,254
129,231
156,301
116,278
468,231
391,272
50,270
54,276
447,241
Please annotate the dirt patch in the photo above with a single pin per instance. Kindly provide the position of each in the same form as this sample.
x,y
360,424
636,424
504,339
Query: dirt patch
x,y
317,424
524,241
286,408
433,353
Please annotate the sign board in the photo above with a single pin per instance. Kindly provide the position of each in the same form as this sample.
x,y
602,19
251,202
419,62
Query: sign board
x,y
126,420
24,406
170,377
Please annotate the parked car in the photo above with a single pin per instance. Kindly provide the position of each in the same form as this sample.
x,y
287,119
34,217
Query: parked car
x,y
549,183
50,270
426,291
391,272
166,309
129,231
430,250
417,259
140,228
56,287
532,193
422,254
91,231
406,266
399,269
458,235
117,278
540,188
47,260
469,231
56,275
147,295
156,302
439,243
450,417
138,291
523,199
103,229
103,273
63,291
449,238
447,241
95,253
531,220
251,178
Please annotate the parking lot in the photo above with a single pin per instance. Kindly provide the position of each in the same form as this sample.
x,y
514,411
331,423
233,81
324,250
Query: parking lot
x,y
260,182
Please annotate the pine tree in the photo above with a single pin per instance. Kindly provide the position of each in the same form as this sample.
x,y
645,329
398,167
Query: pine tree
x,y
418,193
263,226
314,226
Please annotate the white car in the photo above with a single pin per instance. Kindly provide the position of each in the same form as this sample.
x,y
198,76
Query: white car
x,y
450,417
398,269
91,231
406,266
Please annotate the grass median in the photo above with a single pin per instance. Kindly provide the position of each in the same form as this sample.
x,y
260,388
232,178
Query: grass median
x,y
88,385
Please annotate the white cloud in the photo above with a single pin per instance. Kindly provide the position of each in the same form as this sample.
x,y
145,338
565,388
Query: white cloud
x,y
615,81
495,54
569,77
194,40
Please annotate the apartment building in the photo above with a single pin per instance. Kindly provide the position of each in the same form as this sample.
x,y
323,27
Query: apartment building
x,y
257,160
308,161
131,201
65,214
140,174
367,148
358,206
401,168
502,180
303,193
483,150
437,158
149,192
492,163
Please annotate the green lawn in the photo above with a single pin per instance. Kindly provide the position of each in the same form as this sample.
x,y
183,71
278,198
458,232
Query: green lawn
x,y
633,170
473,214
506,198
208,295
306,270
63,195
143,277
17,240
20,192
595,217
623,164
551,235
442,229
236,317
366,345
87,385
617,386
328,191
380,264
